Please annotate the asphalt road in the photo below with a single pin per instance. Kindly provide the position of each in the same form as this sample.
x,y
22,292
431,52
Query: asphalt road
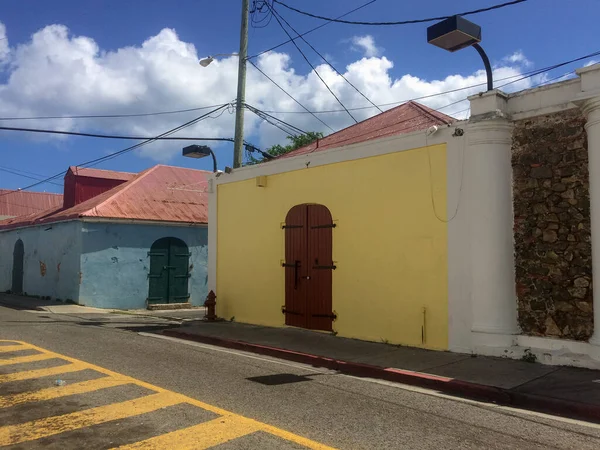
x,y
294,402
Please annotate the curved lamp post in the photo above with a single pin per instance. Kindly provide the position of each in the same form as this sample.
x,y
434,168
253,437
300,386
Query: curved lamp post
x,y
200,151
456,33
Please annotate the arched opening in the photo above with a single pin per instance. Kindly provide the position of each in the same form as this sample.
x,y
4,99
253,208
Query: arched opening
x,y
17,272
308,267
169,271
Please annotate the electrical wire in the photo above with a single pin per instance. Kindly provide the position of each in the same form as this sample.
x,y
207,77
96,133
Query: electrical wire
x,y
112,116
97,161
313,67
266,117
277,15
289,95
310,31
520,77
8,170
402,22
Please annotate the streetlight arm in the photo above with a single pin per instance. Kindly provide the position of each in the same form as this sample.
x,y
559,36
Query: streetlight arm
x,y
214,158
488,67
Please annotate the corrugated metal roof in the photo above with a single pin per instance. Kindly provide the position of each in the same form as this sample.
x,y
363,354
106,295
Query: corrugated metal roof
x,y
22,203
100,173
406,118
161,193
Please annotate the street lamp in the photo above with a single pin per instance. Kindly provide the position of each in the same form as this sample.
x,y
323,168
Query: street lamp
x,y
204,62
456,33
200,151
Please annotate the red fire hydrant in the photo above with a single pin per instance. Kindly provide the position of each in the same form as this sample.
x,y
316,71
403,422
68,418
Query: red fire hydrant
x,y
211,307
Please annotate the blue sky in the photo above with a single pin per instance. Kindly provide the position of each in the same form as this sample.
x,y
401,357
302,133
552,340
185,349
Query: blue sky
x,y
96,63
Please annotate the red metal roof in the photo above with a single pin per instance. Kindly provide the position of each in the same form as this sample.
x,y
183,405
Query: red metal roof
x,y
22,203
406,118
100,173
161,193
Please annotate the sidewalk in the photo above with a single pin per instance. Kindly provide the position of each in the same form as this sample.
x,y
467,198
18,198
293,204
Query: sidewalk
x,y
565,391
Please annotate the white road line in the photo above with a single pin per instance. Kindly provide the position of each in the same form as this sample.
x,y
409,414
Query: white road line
x,y
513,411
235,352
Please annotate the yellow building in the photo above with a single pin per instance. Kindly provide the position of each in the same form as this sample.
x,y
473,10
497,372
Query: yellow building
x,y
348,235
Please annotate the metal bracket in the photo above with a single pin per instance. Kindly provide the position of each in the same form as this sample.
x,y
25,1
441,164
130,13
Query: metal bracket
x,y
285,311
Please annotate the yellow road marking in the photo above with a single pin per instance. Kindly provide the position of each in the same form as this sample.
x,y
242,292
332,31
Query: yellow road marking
x,y
126,379
37,429
59,391
25,359
12,348
198,437
29,374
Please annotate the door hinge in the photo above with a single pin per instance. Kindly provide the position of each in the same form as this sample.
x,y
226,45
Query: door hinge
x,y
331,316
325,267
327,225
287,311
283,227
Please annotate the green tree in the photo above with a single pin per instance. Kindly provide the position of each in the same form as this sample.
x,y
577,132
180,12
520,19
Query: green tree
x,y
296,141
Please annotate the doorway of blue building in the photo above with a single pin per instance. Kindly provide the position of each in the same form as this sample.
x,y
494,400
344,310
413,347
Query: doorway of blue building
x,y
169,271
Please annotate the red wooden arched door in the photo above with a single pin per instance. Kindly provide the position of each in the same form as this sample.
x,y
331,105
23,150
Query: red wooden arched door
x,y
308,267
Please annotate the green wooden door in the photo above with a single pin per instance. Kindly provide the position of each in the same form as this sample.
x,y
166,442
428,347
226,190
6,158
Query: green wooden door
x,y
169,271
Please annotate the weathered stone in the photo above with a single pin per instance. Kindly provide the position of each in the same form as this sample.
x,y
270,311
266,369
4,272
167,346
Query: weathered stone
x,y
564,307
559,187
551,218
572,201
569,180
566,171
581,282
563,230
541,172
552,226
537,232
550,236
571,238
578,292
551,327
586,307
540,208
569,194
547,184
532,183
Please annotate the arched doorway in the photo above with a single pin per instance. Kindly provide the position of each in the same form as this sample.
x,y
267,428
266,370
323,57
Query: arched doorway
x,y
308,267
17,272
169,271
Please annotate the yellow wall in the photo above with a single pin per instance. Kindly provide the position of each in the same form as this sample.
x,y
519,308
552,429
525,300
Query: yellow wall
x,y
389,247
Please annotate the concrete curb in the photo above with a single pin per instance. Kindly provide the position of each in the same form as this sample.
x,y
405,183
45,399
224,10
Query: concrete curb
x,y
446,385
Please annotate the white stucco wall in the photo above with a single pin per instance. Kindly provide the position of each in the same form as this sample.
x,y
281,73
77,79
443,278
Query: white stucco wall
x,y
57,247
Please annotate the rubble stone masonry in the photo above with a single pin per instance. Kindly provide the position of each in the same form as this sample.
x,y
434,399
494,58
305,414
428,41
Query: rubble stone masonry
x,y
552,226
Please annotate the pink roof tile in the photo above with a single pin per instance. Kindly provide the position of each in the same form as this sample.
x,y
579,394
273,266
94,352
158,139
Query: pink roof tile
x,y
161,193
406,118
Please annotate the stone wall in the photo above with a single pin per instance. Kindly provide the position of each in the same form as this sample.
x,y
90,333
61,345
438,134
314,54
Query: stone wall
x,y
552,226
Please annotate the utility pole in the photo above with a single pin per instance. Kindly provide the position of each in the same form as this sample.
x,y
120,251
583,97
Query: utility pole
x,y
238,143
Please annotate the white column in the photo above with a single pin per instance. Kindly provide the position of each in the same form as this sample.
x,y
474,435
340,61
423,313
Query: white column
x,y
589,102
489,169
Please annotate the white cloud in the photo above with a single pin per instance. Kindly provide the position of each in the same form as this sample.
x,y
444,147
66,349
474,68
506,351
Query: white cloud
x,y
517,58
56,73
4,48
591,62
366,45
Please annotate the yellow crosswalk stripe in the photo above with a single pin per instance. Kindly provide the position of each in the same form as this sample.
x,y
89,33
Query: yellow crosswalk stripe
x,y
37,429
12,348
25,359
198,437
60,391
29,374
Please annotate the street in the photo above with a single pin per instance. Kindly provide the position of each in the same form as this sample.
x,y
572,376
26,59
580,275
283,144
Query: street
x,y
103,381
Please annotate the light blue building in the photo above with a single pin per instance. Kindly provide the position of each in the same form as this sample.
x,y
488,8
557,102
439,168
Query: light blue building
x,y
141,242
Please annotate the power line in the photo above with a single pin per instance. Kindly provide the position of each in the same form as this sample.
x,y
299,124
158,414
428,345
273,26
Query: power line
x,y
267,118
289,95
112,116
11,171
277,15
97,161
313,67
110,136
520,77
402,22
310,31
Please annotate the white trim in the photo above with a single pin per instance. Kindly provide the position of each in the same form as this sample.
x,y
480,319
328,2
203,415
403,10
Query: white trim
x,y
6,230
543,100
375,147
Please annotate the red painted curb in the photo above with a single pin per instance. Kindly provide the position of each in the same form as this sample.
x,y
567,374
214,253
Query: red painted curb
x,y
452,386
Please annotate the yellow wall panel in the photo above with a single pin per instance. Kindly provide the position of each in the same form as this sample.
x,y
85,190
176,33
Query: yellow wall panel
x,y
389,247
